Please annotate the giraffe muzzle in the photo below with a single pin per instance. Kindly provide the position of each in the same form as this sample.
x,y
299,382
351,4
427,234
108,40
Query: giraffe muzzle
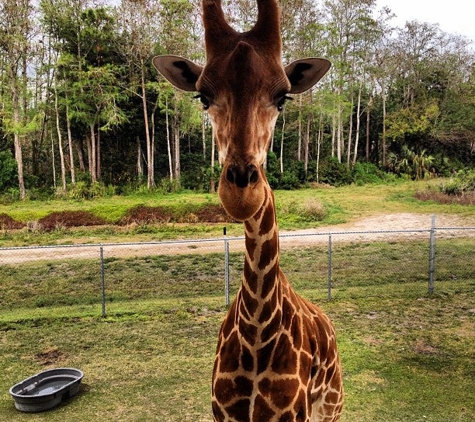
x,y
242,177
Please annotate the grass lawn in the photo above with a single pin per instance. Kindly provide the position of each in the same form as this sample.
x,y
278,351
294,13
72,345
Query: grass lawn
x,y
407,356
404,359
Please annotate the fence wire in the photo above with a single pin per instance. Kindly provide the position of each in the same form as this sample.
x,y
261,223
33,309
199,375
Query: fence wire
x,y
319,265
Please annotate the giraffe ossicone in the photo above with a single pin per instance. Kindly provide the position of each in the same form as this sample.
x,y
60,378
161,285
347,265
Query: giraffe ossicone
x,y
276,358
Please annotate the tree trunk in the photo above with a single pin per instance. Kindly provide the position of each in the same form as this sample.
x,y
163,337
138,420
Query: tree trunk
x,y
139,161
368,131
282,144
333,134
150,160
203,135
339,135
92,153
319,142
213,152
358,123
299,147
169,150
307,143
176,150
18,147
350,134
79,150
53,162
339,125
60,139
19,161
98,154
153,138
383,93
89,154
70,146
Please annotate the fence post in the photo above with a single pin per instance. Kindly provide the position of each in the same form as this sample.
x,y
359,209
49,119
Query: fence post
x,y
103,284
226,267
329,281
432,256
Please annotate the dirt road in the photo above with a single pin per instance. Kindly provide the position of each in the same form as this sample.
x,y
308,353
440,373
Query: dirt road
x,y
381,227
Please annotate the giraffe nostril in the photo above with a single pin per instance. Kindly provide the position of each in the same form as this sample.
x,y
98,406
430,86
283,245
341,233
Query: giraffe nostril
x,y
242,177
231,174
253,174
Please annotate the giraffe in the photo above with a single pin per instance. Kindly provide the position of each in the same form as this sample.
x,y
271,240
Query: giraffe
x,y
276,358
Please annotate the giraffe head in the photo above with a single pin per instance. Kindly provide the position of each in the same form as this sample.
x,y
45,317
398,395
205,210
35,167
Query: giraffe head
x,y
243,86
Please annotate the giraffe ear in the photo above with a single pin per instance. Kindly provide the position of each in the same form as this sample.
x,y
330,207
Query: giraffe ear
x,y
180,72
305,73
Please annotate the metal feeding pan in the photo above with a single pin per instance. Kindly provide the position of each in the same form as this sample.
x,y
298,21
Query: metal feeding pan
x,y
46,389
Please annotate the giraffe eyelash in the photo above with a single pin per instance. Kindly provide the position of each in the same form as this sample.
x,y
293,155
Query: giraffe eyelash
x,y
281,102
205,101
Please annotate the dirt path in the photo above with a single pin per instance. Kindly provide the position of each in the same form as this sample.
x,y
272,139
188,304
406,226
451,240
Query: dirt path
x,y
379,227
410,226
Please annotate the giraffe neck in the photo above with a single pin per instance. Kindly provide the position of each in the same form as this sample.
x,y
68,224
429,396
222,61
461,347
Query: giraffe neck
x,y
276,358
261,291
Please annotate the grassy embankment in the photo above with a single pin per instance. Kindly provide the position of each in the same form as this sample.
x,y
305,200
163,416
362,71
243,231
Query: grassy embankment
x,y
296,209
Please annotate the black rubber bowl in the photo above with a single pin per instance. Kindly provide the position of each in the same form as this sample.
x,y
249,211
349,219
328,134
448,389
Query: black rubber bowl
x,y
46,389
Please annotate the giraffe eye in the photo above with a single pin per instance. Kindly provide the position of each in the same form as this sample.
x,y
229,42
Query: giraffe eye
x,y
204,100
281,101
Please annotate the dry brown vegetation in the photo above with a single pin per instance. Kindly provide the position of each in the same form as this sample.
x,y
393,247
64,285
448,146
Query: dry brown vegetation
x,y
443,198
69,219
9,223
140,215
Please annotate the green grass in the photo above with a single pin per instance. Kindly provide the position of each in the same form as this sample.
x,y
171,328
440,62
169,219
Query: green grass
x,y
151,360
406,355
111,209
409,359
138,366
378,268
340,205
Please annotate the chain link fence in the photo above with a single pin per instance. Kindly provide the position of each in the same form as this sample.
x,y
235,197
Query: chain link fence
x,y
319,265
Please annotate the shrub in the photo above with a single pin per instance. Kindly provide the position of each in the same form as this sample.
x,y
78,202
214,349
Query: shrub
x,y
313,210
8,170
80,190
462,183
459,189
288,181
85,190
10,196
168,186
364,173
335,173
39,193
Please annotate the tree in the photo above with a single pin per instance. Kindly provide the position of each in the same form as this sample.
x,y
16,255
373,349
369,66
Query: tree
x,y
77,87
432,66
90,82
138,23
177,36
346,20
15,34
102,96
58,131
454,83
